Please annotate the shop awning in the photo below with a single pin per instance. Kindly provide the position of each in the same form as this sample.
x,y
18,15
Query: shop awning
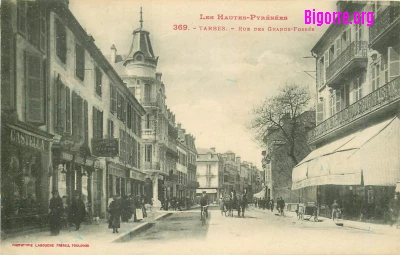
x,y
372,152
260,194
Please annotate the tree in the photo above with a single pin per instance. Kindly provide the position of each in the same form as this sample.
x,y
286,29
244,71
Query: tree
x,y
282,115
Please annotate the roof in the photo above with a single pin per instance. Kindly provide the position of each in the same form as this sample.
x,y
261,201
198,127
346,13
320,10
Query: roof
x,y
141,43
229,152
205,151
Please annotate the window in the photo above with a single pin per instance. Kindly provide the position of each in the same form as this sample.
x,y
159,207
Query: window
x,y
110,131
147,92
331,54
326,57
61,41
394,62
359,32
356,89
86,121
98,81
345,39
80,61
122,145
385,67
148,121
97,124
148,153
320,111
129,115
113,98
375,73
320,74
77,116
34,89
338,47
139,155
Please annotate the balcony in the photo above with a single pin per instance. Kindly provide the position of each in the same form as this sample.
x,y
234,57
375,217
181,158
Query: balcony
x,y
374,103
150,102
148,134
352,58
151,166
192,167
385,26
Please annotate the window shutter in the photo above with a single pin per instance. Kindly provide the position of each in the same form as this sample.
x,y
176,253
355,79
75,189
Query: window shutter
x,y
139,159
63,108
42,21
34,90
86,121
113,96
320,112
80,118
119,101
326,64
22,8
100,120
61,41
98,81
57,96
68,110
75,110
80,61
128,115
95,121
394,62
338,101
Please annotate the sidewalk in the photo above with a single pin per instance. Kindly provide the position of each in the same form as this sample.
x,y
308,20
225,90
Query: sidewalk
x,y
94,233
373,227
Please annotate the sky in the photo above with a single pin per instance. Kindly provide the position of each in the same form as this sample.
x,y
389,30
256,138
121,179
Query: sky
x,y
213,79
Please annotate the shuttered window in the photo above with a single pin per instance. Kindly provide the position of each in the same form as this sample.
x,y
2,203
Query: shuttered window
x,y
394,62
75,121
326,64
338,101
86,122
68,110
139,157
98,81
61,41
320,112
80,61
110,131
129,116
119,105
97,124
35,89
113,98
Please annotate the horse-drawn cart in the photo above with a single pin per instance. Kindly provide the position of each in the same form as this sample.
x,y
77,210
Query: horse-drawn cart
x,y
307,211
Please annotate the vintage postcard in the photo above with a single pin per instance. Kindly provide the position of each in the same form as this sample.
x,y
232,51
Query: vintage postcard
x,y
200,127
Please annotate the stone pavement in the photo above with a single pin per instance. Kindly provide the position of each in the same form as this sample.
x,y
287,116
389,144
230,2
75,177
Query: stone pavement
x,y
94,233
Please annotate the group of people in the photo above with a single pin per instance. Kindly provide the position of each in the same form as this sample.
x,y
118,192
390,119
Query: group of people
x,y
124,208
76,212
119,209
264,203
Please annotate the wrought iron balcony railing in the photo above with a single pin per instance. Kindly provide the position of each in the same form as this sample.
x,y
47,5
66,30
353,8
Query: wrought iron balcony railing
x,y
384,95
356,50
384,21
150,102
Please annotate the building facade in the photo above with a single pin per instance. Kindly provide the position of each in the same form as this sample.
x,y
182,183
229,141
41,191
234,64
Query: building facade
x,y
209,172
162,148
69,123
356,160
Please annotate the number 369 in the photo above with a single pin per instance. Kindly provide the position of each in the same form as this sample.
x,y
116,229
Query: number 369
x,y
180,27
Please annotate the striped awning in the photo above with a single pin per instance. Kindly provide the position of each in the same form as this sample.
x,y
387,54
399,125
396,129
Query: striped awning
x,y
372,153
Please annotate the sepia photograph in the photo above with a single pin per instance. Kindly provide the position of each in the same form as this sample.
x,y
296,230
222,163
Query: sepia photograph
x,y
200,127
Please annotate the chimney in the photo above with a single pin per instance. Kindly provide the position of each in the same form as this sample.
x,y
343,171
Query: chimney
x,y
238,160
158,76
213,149
179,125
113,54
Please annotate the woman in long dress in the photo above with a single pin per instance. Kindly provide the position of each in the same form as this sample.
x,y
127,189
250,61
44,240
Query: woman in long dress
x,y
56,210
115,214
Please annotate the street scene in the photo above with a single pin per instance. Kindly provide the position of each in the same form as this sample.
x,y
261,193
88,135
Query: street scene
x,y
197,127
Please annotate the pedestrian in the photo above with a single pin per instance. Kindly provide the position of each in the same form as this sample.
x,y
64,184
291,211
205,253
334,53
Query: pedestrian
x,y
221,205
77,211
335,210
278,205
56,211
282,206
125,209
394,210
115,214
271,204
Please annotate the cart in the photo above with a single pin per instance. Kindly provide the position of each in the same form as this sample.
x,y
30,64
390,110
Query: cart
x,y
307,211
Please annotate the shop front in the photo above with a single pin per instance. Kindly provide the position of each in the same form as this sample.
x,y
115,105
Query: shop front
x,y
359,171
117,181
25,164
136,183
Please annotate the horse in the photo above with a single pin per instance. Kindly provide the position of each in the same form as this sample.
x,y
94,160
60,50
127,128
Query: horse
x,y
228,205
241,204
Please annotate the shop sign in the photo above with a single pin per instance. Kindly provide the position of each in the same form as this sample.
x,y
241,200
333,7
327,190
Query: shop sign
x,y
27,140
66,156
117,172
79,160
135,175
105,147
